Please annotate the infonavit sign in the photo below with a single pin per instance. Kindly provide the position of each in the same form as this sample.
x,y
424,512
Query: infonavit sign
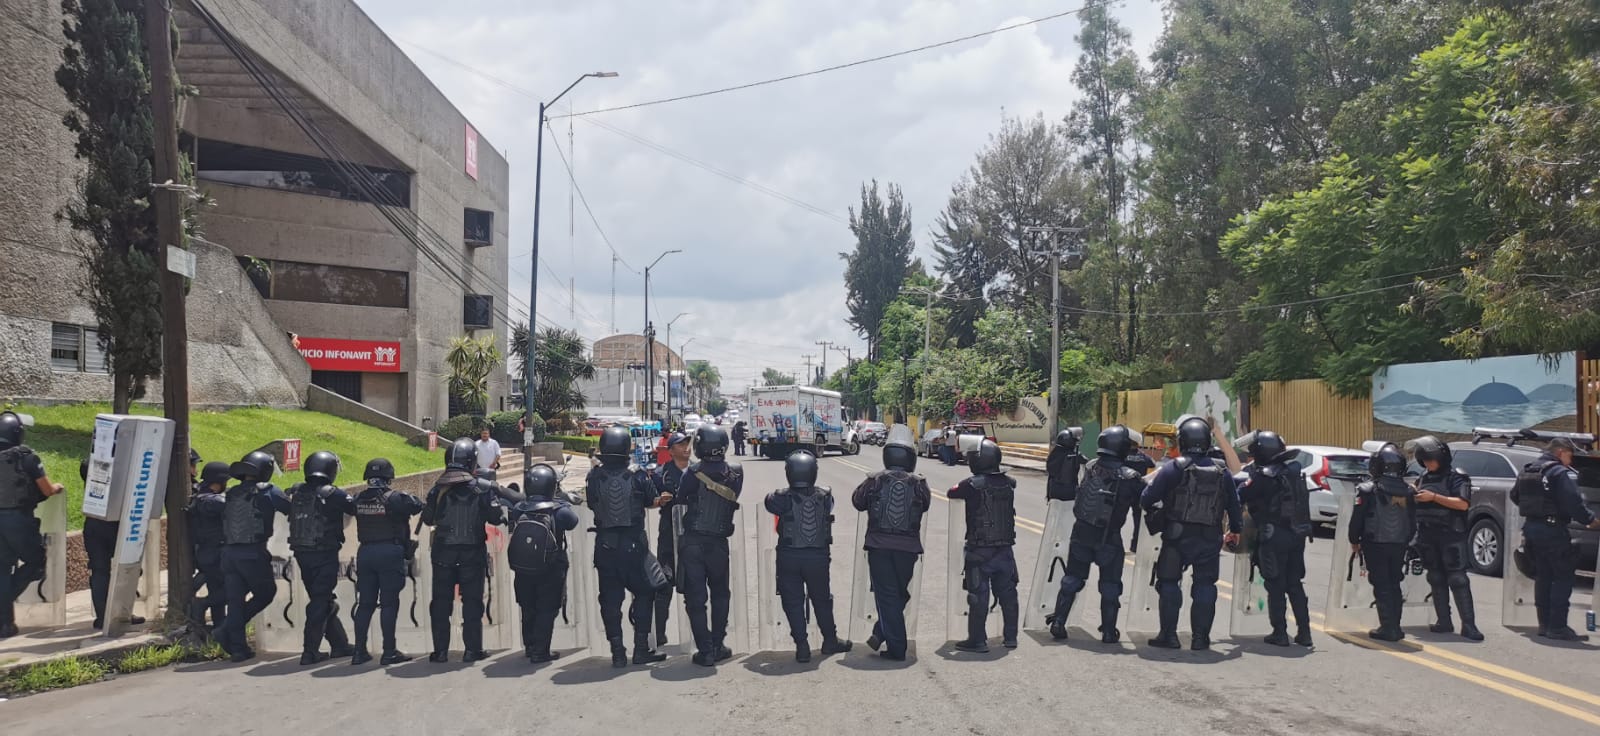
x,y
360,356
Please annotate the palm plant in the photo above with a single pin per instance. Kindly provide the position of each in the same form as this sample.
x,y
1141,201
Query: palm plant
x,y
471,360
561,362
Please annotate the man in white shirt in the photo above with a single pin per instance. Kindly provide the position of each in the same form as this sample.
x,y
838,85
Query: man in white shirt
x,y
488,451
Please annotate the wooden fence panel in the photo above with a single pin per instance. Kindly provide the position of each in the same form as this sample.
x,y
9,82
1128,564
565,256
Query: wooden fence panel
x,y
1306,412
1588,396
1132,408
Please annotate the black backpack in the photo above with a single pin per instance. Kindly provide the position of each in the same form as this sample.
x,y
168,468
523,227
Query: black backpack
x,y
534,541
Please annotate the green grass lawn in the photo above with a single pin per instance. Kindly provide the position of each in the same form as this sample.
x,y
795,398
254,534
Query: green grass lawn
x,y
62,434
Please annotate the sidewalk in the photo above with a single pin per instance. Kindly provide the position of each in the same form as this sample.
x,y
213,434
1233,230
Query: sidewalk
x,y
78,637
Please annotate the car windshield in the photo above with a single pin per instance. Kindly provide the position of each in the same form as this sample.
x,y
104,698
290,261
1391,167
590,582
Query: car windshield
x,y
1346,465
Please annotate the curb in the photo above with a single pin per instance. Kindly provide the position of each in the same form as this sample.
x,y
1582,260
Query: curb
x,y
106,649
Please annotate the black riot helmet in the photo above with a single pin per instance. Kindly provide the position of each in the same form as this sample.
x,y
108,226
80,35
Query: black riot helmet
x,y
322,466
1428,447
462,455
1266,447
615,444
257,466
899,449
10,430
1114,442
710,443
986,459
1388,461
378,468
1194,437
1067,440
801,469
214,472
541,481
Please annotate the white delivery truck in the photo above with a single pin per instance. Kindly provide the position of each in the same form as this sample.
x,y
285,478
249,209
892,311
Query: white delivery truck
x,y
783,419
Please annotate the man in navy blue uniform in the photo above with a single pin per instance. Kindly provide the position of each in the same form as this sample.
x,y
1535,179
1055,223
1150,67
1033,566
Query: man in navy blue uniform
x,y
1110,487
805,538
246,564
1186,502
23,485
1547,495
383,527
709,496
667,479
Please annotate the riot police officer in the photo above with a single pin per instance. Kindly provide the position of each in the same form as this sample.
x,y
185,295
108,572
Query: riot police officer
x,y
618,496
317,509
709,496
204,512
1100,504
894,500
383,517
538,556
1443,496
805,538
246,564
990,562
1546,493
1062,467
457,507
23,485
1190,496
1381,529
1279,508
667,478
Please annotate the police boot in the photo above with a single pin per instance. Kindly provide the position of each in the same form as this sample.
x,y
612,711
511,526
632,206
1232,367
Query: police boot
x,y
1166,640
1544,619
389,658
1302,619
835,645
543,655
1058,626
722,652
1109,634
1277,614
642,653
1441,609
619,653
802,651
362,656
8,630
873,642
1469,627
313,657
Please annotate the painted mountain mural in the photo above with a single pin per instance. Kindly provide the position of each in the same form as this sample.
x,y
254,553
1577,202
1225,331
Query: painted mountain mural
x,y
1451,398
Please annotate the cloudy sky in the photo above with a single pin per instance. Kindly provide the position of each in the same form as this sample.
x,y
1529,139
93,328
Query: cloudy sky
x,y
759,275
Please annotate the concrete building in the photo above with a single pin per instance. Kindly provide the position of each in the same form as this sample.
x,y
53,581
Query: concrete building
x,y
372,305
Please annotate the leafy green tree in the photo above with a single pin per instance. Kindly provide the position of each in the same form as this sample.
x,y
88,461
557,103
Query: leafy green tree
x,y
704,378
774,377
874,270
471,361
562,360
103,73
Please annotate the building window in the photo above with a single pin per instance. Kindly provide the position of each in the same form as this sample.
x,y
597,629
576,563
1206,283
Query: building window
x,y
76,349
320,283
343,383
477,311
248,166
478,227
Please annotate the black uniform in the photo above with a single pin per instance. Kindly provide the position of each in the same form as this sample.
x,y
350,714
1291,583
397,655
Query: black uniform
x,y
22,560
709,496
1278,505
623,564
246,563
1383,525
383,529
1442,543
894,501
989,560
740,434
458,507
1061,469
805,540
1195,493
666,479
1100,504
1549,503
316,534
541,580
205,532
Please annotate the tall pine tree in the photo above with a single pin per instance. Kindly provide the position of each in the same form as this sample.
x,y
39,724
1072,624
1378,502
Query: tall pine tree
x,y
874,270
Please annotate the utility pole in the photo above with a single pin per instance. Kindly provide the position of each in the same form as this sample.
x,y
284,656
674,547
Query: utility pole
x,y
825,345
1051,232
165,195
927,345
807,358
650,340
847,385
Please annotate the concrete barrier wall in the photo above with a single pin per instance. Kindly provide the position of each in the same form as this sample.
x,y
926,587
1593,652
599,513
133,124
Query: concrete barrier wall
x,y
328,402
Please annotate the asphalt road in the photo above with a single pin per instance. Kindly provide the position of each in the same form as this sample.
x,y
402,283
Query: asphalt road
x,y
1429,684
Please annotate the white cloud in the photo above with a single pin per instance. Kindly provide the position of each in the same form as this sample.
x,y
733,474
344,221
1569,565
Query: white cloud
x,y
760,276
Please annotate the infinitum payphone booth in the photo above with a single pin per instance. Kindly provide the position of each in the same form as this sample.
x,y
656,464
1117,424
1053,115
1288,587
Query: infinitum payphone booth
x,y
127,483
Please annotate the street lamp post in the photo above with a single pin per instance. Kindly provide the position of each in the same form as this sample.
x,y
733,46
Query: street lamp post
x,y
927,340
650,342
1055,321
533,273
685,362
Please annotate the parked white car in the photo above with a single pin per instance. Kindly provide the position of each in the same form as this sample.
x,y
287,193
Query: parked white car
x,y
1321,461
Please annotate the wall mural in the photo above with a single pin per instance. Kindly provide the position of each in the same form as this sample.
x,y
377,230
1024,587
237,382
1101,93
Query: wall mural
x,y
1202,399
1450,398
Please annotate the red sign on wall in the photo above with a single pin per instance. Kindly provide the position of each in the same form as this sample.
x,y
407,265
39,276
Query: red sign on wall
x,y
472,153
291,455
362,356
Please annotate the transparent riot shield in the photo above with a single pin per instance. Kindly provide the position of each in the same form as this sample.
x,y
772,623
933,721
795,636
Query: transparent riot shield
x,y
1249,615
43,602
675,619
280,627
1049,566
1144,612
956,611
863,606
1516,602
738,612
1350,603
344,590
572,624
412,631
502,624
1416,608
775,632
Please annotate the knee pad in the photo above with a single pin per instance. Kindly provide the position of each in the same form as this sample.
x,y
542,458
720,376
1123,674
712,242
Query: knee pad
x,y
1110,590
1205,594
1436,578
1072,584
1168,587
1458,579
974,601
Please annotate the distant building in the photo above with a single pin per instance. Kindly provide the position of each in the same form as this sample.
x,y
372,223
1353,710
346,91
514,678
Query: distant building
x,y
302,279
624,351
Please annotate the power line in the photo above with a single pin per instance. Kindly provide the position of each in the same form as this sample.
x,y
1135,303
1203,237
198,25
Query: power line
x,y
837,67
585,200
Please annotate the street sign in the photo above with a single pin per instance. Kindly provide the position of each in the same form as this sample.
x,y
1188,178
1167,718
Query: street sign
x,y
291,455
433,441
